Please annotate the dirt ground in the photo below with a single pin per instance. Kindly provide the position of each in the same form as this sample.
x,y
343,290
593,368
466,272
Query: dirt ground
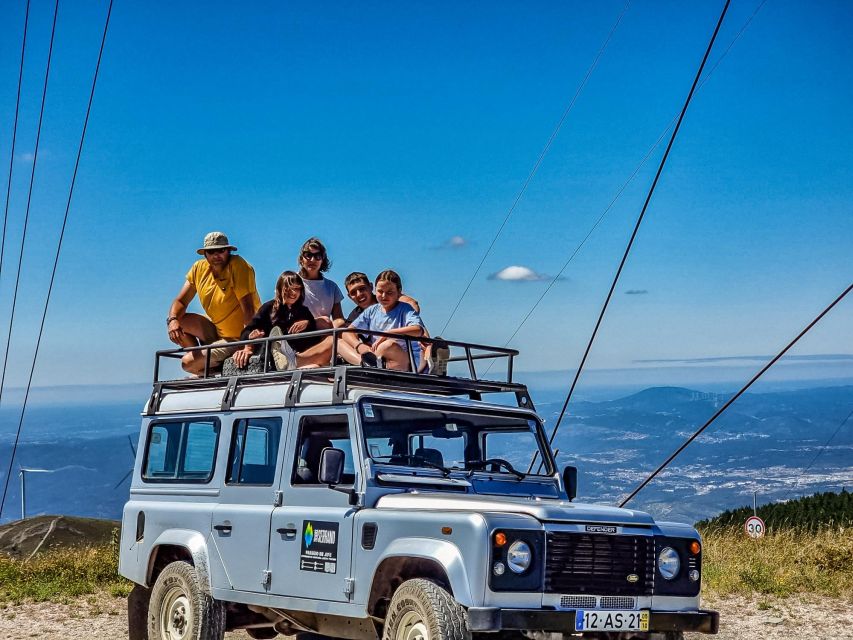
x,y
756,618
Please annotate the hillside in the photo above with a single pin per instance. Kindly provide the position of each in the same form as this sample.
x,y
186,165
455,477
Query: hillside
x,y
23,538
810,513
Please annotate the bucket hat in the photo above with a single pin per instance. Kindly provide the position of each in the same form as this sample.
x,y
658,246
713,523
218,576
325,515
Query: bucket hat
x,y
215,240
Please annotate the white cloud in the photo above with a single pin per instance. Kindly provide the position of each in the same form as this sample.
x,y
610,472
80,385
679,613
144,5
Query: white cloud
x,y
26,157
517,273
453,242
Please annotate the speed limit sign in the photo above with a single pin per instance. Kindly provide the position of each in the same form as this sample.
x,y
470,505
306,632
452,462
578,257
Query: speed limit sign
x,y
754,527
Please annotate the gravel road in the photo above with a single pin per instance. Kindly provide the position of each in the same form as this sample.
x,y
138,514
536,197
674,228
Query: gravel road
x,y
756,618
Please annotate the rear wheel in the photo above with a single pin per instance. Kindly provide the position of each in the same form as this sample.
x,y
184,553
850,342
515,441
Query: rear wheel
x,y
180,610
421,610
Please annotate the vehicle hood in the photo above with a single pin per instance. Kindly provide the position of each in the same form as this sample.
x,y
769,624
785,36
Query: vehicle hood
x,y
544,510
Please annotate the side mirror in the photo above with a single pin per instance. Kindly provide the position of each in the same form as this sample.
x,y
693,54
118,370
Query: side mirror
x,y
570,481
331,466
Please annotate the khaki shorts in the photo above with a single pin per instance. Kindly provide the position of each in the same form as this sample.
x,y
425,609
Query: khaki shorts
x,y
211,337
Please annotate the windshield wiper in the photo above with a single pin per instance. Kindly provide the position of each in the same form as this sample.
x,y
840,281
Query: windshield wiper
x,y
496,463
413,460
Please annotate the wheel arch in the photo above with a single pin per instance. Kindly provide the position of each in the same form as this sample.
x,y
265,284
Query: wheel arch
x,y
179,544
405,559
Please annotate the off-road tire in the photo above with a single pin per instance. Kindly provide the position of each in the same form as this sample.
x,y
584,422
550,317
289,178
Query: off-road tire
x,y
421,610
179,608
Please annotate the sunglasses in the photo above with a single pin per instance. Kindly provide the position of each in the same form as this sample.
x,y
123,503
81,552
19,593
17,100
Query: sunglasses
x,y
213,252
312,255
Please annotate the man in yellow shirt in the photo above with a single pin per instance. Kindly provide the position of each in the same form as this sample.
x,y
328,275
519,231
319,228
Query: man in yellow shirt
x,y
225,285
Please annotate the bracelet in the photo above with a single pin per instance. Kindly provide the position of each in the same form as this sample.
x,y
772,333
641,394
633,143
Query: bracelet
x,y
170,318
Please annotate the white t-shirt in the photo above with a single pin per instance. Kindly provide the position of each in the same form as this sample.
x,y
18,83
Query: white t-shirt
x,y
320,296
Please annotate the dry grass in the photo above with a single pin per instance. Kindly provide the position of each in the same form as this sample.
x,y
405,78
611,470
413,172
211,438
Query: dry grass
x,y
60,574
783,563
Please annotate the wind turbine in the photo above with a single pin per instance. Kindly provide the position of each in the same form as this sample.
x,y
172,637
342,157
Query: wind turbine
x,y
23,473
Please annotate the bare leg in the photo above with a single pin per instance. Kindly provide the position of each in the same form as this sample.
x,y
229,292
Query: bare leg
x,y
320,350
348,352
197,329
317,356
394,356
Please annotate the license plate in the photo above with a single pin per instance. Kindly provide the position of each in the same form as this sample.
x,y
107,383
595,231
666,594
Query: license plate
x,y
603,620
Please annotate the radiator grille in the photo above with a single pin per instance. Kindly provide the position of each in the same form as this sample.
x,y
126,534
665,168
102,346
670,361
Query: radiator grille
x,y
618,602
585,563
579,602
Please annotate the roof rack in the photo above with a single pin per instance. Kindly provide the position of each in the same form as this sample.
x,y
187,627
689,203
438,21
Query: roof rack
x,y
343,376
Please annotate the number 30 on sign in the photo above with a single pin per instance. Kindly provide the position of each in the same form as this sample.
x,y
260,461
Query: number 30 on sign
x,y
754,527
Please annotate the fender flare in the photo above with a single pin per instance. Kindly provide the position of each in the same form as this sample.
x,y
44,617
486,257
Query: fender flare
x,y
446,554
195,544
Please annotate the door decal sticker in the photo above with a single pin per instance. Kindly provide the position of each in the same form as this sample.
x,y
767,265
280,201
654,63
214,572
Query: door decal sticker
x,y
319,546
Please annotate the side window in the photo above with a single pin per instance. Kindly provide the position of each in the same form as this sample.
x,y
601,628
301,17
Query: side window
x,y
182,451
254,451
315,434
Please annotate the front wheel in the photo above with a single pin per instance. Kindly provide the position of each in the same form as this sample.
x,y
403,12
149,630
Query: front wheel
x,y
421,610
180,610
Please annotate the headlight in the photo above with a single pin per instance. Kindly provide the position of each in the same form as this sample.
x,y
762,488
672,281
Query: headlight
x,y
669,563
519,556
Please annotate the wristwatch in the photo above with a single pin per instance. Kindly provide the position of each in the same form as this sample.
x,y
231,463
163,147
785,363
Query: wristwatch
x,y
170,318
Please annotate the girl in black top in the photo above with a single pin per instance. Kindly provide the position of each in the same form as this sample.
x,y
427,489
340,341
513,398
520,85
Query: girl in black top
x,y
287,312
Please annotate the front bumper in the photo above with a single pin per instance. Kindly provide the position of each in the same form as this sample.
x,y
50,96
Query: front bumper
x,y
485,619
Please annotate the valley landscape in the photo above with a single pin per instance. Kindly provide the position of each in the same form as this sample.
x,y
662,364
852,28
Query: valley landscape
x,y
780,444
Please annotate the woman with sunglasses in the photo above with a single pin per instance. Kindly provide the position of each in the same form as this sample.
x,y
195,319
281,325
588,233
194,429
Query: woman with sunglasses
x,y
322,296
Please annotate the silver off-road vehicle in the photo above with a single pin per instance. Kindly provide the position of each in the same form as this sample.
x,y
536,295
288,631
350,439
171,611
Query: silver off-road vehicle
x,y
347,502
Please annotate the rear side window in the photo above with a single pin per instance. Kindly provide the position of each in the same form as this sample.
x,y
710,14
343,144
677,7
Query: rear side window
x,y
182,451
254,451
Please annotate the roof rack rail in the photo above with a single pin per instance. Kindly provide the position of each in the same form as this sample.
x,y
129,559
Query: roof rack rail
x,y
342,376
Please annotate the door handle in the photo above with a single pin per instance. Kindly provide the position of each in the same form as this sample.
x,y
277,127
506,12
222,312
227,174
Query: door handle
x,y
286,532
224,528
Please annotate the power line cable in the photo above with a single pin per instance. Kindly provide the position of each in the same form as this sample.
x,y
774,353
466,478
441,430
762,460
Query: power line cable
x,y
58,252
737,395
539,160
29,200
625,184
637,225
14,134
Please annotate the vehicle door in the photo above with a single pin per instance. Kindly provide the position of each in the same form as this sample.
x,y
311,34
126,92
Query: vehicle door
x,y
241,521
311,533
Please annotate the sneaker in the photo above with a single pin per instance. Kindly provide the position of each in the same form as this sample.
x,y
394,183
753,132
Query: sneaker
x,y
283,354
438,360
369,360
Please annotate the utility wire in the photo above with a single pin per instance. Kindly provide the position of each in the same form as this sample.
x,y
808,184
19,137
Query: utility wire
x,y
58,251
738,395
29,199
637,225
624,186
14,134
539,160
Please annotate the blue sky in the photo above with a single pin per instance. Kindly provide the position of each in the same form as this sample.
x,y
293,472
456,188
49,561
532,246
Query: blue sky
x,y
387,129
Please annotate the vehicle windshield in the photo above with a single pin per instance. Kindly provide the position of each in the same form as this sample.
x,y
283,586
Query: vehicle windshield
x,y
451,440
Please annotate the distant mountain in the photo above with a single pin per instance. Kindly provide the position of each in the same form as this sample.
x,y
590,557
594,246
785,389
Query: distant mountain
x,y
771,443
